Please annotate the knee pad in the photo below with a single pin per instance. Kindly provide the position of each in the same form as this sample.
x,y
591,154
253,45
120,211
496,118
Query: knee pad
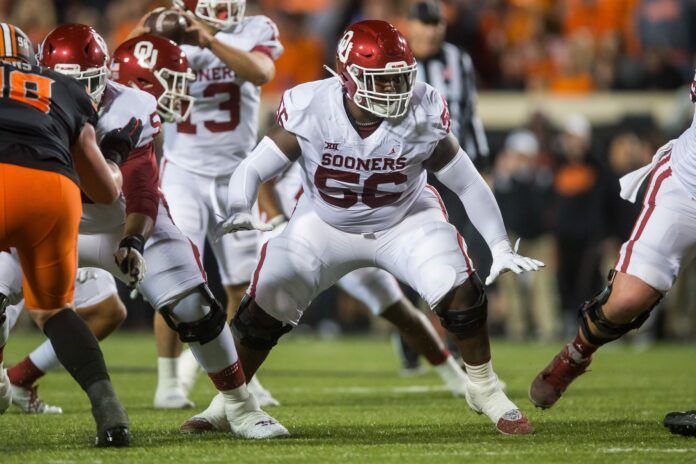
x,y
254,334
204,329
464,322
595,326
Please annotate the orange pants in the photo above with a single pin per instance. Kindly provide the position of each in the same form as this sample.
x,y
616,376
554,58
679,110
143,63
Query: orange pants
x,y
40,216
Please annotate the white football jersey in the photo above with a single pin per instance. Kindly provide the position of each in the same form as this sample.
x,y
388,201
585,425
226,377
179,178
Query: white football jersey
x,y
119,104
684,159
362,185
222,127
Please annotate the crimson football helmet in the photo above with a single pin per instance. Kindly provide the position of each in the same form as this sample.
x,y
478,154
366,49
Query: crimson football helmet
x,y
159,67
376,67
79,51
15,44
220,14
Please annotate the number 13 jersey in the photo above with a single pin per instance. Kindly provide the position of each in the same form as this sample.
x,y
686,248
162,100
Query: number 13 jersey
x,y
222,126
362,185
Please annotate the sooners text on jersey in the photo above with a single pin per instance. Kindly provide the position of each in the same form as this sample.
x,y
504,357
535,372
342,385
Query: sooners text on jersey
x,y
362,185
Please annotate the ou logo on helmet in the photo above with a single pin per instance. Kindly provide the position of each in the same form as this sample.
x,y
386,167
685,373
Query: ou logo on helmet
x,y
146,54
345,46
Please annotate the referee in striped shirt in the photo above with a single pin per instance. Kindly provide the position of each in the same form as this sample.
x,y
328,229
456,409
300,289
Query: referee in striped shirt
x,y
449,69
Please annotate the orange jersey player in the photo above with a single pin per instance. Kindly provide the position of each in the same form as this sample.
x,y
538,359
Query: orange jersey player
x,y
48,151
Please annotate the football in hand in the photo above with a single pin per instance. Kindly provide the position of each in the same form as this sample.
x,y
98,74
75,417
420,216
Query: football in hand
x,y
170,24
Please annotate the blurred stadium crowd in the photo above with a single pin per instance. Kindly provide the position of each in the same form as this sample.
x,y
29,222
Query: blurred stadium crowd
x,y
557,183
576,46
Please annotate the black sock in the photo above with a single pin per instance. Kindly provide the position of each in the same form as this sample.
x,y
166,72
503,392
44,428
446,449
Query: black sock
x,y
76,348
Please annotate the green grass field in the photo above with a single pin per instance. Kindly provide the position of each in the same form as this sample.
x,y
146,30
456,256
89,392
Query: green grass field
x,y
344,402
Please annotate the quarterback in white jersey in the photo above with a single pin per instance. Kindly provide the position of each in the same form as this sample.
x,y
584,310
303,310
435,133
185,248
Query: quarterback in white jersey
x,y
364,140
647,265
176,283
234,55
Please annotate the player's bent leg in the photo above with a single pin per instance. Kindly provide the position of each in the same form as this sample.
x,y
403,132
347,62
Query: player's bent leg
x,y
463,312
99,305
439,269
415,328
78,350
623,305
201,322
188,369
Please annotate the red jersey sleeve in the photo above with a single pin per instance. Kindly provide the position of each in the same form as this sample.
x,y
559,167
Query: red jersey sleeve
x,y
141,181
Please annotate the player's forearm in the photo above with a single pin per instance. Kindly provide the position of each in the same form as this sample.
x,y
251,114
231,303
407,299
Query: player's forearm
x,y
138,224
262,165
268,200
100,180
254,67
461,177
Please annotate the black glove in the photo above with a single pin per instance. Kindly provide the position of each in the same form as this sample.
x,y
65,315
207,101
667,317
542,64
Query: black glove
x,y
129,258
117,144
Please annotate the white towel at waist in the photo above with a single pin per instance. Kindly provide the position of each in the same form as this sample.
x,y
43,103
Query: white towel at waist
x,y
631,182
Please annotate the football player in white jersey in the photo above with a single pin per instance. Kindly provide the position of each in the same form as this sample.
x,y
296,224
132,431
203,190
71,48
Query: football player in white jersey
x,y
647,266
364,140
375,288
381,294
138,228
234,55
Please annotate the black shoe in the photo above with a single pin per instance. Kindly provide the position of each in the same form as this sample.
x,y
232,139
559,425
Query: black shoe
x,y
115,437
681,423
110,416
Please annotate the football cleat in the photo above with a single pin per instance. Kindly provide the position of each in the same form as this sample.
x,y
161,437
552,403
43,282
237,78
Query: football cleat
x,y
488,398
112,424
244,419
264,397
549,385
188,371
5,390
172,397
213,419
27,399
681,423
247,420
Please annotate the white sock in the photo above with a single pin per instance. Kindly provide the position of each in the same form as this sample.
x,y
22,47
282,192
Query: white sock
x,y
450,372
44,357
481,373
166,372
236,394
217,354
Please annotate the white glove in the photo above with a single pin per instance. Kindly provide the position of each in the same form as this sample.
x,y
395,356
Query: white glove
x,y
129,259
240,221
84,274
506,259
